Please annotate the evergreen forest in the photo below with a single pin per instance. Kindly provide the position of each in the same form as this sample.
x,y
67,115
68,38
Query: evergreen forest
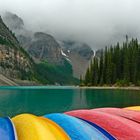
x,y
117,65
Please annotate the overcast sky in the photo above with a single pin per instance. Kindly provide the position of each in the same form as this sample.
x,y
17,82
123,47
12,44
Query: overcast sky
x,y
96,22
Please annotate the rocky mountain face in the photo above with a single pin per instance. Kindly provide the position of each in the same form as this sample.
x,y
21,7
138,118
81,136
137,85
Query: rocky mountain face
x,y
44,47
79,54
13,21
15,63
39,45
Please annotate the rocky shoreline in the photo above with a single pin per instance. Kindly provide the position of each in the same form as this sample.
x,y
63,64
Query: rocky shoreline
x,y
112,87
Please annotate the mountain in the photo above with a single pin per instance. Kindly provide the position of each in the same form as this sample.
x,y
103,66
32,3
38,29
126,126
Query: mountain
x,y
51,66
79,54
40,46
45,47
15,63
14,22
45,50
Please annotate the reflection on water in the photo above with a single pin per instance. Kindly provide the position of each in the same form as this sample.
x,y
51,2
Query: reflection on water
x,y
42,100
112,98
79,99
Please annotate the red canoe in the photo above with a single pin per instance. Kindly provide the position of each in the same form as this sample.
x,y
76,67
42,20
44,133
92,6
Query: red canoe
x,y
119,127
128,114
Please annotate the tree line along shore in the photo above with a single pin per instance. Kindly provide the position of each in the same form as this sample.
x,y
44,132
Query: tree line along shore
x,y
116,66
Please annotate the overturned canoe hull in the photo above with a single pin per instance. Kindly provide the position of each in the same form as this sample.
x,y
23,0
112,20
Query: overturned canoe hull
x,y
119,127
77,129
6,129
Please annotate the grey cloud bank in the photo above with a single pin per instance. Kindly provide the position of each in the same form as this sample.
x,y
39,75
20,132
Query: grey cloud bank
x,y
96,22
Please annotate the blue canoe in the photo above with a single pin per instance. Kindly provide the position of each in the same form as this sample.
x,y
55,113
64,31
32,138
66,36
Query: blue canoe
x,y
77,129
6,129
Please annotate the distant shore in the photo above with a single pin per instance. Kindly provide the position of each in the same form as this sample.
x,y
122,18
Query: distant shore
x,y
111,87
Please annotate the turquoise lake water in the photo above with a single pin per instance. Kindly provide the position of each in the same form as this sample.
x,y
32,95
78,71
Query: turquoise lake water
x,y
43,100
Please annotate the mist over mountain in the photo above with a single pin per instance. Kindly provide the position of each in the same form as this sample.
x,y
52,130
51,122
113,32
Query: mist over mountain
x,y
95,22
43,47
79,54
15,63
39,45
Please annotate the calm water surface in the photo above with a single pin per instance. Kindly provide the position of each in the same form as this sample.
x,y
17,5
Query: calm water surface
x,y
43,100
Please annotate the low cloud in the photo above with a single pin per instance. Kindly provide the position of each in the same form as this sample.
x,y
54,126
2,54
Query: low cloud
x,y
96,22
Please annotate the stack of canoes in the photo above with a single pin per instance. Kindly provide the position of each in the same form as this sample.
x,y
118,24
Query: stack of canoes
x,y
94,124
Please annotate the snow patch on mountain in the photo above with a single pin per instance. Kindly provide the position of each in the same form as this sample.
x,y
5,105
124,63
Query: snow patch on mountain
x,y
63,53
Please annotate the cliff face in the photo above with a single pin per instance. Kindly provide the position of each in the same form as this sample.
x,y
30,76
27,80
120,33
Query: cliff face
x,y
14,61
39,45
79,54
13,21
44,47
51,66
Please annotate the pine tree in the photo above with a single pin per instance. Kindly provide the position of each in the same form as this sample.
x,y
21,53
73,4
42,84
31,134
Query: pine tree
x,y
95,71
81,80
87,77
101,63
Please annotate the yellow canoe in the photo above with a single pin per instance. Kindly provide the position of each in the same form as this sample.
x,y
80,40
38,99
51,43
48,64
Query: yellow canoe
x,y
59,133
30,127
135,108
